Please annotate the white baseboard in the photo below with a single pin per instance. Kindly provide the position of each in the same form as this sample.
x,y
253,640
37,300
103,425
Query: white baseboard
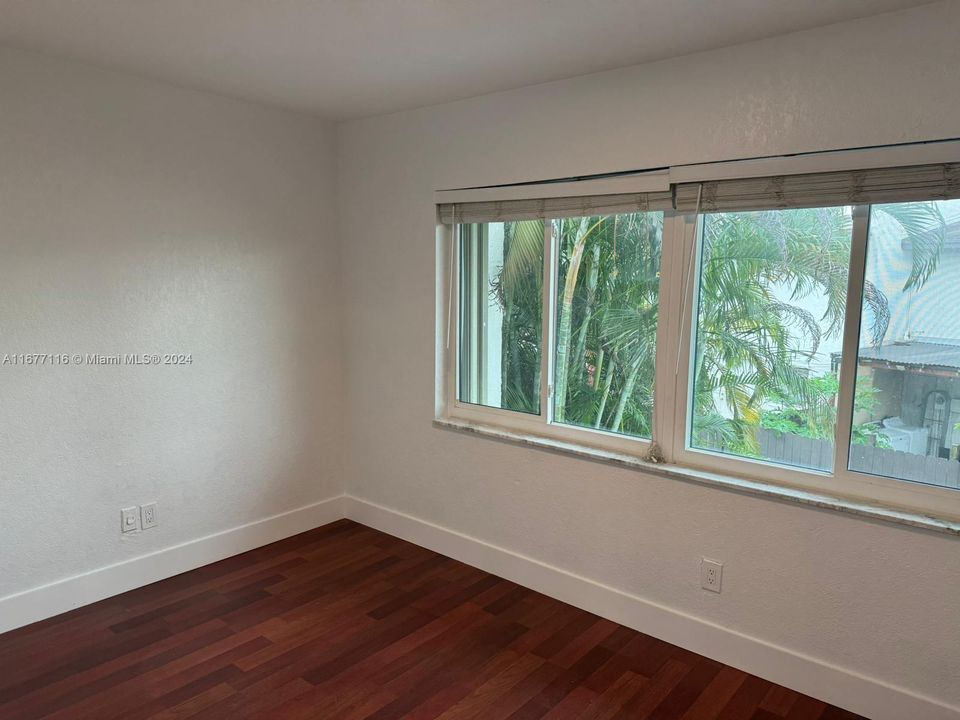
x,y
72,592
839,686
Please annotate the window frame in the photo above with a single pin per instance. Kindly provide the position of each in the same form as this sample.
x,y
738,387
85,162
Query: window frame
x,y
672,417
542,424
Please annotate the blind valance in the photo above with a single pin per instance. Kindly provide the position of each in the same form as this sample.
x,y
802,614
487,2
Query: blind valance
x,y
940,181
850,187
554,207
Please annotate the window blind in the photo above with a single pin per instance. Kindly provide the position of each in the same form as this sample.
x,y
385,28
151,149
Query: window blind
x,y
880,185
554,207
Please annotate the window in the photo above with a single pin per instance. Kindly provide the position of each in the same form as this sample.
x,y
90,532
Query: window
x,y
606,325
907,411
793,328
769,333
501,287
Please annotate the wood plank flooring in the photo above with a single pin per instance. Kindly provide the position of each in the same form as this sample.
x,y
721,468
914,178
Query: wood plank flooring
x,y
347,622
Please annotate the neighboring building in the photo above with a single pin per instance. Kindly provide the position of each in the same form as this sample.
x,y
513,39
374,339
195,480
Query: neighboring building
x,y
919,383
916,367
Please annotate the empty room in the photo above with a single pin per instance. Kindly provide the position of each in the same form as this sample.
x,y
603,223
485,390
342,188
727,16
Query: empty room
x,y
479,359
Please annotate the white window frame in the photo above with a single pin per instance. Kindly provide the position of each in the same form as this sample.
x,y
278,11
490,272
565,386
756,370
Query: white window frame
x,y
841,481
679,280
542,424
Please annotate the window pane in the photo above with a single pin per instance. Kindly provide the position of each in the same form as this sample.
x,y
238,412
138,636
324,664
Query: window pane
x,y
607,297
907,407
501,294
772,292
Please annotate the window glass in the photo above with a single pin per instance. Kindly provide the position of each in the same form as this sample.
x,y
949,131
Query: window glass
x,y
501,298
907,415
771,294
606,321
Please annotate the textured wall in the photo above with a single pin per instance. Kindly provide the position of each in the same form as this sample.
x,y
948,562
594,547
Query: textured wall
x,y
874,598
134,218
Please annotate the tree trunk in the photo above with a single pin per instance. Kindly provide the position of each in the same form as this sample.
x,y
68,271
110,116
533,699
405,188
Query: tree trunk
x,y
598,368
625,392
580,356
506,346
606,393
566,319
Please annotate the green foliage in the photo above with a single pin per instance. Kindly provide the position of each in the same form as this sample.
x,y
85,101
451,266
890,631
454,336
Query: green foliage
x,y
750,342
869,434
923,226
752,335
607,318
518,291
793,417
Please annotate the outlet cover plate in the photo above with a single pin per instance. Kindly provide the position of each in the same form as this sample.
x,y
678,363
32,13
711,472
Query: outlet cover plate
x,y
148,515
711,574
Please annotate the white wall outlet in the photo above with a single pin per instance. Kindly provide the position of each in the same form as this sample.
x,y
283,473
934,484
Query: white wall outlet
x,y
130,519
148,515
711,574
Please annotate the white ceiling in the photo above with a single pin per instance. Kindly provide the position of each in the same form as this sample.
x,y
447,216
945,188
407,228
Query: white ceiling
x,y
351,58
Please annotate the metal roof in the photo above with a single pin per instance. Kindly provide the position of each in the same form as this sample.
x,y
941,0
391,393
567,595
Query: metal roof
x,y
914,354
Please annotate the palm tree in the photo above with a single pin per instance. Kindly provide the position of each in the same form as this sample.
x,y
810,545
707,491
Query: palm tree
x,y
575,244
923,226
612,308
756,268
518,290
749,341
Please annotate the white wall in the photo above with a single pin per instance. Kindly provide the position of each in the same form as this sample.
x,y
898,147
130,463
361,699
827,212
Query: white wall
x,y
877,599
136,217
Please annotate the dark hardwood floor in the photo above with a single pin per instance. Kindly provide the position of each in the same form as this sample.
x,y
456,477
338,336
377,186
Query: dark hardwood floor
x,y
346,622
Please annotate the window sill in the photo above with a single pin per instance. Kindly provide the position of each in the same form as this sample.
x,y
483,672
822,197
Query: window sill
x,y
749,487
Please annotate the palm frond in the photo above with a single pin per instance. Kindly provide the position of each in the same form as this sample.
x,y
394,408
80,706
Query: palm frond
x,y
524,253
924,230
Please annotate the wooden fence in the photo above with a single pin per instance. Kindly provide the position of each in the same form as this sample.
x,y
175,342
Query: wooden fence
x,y
818,454
796,449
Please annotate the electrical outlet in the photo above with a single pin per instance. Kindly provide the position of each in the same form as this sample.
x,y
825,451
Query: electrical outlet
x,y
130,519
711,573
148,515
